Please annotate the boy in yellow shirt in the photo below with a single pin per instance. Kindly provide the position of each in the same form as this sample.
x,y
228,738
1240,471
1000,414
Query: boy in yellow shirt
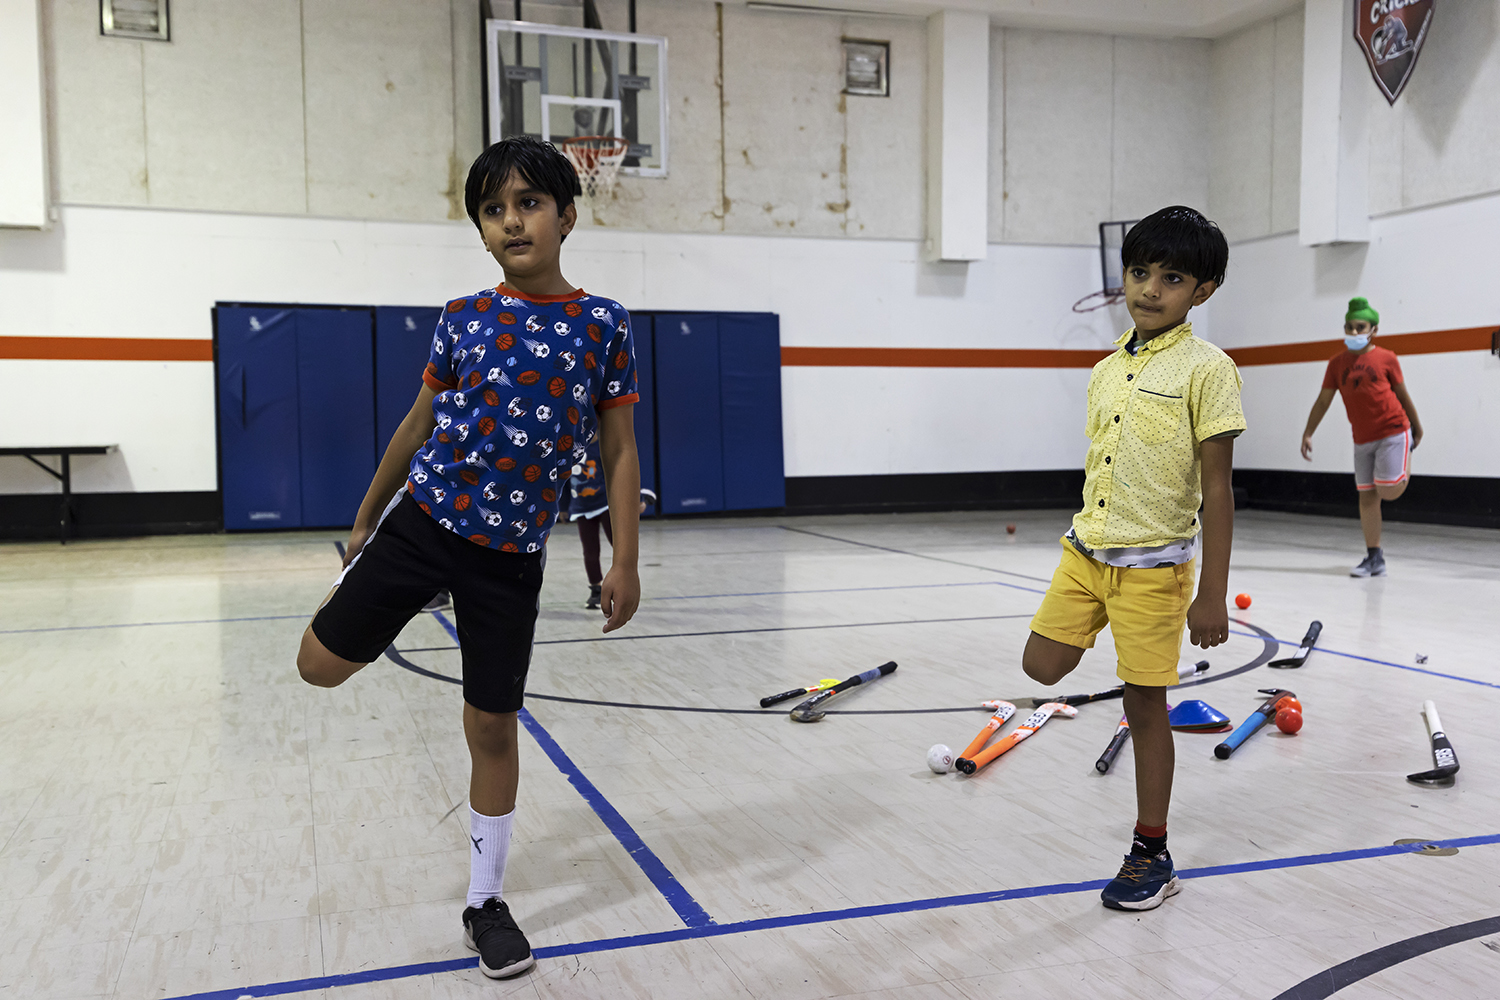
x,y
1163,413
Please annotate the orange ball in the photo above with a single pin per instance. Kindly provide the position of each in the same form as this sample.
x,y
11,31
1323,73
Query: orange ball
x,y
1289,701
1242,601
1288,720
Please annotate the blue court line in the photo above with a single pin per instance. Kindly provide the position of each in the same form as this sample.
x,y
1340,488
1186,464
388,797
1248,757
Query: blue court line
x,y
822,917
677,896
1371,659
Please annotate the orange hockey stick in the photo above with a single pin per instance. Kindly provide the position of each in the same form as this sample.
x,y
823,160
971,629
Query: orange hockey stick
x,y
1003,711
1033,722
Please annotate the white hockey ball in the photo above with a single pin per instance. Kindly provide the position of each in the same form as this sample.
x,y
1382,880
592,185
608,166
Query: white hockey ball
x,y
940,759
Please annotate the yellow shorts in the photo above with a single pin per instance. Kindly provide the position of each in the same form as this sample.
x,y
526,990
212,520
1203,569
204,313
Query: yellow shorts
x,y
1144,608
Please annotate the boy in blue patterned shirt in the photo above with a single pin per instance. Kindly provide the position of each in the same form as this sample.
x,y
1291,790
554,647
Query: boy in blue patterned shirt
x,y
521,377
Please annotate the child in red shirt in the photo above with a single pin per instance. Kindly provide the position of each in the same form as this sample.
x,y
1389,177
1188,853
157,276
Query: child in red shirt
x,y
1384,419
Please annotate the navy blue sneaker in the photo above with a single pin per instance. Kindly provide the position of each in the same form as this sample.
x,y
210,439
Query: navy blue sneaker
x,y
492,931
1143,883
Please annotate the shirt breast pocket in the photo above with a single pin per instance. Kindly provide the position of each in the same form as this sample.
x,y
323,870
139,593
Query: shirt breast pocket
x,y
1155,417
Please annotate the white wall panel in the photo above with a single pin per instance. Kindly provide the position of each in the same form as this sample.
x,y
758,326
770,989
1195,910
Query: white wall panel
x,y
224,109
1429,269
1059,101
1161,125
380,107
1239,186
97,108
997,136
162,271
885,165
24,185
1286,123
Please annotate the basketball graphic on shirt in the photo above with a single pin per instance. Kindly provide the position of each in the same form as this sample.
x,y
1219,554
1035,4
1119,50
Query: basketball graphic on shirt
x,y
549,494
558,385
425,509
573,309
572,414
509,547
505,342
565,443
506,319
474,379
532,473
588,361
443,437
541,518
487,424
621,360
491,398
458,454
595,333
505,464
480,539
469,476
529,378
482,305
456,305
462,501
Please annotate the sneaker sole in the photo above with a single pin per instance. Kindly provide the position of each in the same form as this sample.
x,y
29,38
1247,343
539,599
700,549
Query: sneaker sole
x,y
505,972
1149,903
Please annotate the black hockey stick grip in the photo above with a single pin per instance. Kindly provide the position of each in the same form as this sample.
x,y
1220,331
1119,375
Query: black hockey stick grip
x,y
1080,699
807,708
783,696
1113,750
1311,638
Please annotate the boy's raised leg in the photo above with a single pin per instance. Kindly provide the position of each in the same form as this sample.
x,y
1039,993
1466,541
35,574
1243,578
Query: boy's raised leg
x,y
1147,877
495,772
1048,661
321,668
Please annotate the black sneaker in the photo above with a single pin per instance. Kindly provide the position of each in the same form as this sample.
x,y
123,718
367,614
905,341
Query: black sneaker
x,y
593,601
1142,884
491,931
1371,566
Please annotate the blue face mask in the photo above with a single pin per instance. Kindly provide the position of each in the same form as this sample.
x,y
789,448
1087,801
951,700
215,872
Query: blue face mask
x,y
1357,343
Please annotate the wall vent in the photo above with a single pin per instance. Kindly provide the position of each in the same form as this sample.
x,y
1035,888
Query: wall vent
x,y
134,19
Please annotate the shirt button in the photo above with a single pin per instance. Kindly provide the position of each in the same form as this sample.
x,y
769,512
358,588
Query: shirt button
x,y
1106,459
1117,418
1129,378
1101,503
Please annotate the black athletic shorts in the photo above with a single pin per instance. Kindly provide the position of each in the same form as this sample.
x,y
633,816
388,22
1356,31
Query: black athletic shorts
x,y
408,559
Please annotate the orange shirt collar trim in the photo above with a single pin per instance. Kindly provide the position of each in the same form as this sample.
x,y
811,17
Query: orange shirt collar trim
x,y
504,289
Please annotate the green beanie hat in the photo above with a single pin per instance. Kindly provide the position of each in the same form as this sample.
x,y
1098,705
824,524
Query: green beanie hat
x,y
1360,308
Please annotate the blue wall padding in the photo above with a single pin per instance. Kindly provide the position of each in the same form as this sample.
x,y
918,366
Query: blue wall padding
x,y
403,343
689,441
259,457
750,388
335,389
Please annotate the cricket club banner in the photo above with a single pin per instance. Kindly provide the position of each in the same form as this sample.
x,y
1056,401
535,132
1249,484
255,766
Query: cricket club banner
x,y
1391,33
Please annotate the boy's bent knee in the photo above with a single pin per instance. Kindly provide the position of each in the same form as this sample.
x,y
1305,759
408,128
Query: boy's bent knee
x,y
1048,661
318,666
490,732
1392,491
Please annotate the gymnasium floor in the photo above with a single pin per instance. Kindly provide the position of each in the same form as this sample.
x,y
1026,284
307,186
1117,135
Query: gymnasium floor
x,y
181,816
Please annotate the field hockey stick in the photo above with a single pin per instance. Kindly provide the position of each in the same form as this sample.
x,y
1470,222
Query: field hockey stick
x,y
1036,720
1300,656
1183,673
1003,711
1122,733
811,710
821,685
1442,752
1262,715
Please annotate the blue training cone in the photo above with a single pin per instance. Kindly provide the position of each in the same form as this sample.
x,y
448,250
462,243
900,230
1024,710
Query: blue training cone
x,y
1196,715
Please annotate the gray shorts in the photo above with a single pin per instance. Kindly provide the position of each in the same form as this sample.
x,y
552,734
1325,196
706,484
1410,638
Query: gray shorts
x,y
1383,463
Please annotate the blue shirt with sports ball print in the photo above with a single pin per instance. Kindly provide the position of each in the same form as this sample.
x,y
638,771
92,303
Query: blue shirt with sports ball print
x,y
520,382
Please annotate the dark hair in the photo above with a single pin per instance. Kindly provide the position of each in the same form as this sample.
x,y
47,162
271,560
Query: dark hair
x,y
539,164
1180,238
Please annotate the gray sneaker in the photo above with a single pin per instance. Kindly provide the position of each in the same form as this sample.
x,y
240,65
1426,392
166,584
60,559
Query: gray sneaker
x,y
1371,566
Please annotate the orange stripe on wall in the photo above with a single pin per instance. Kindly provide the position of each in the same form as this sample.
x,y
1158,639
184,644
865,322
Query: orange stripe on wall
x,y
104,349
1476,338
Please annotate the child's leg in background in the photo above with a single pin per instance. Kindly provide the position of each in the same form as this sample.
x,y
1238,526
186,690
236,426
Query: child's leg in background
x,y
588,534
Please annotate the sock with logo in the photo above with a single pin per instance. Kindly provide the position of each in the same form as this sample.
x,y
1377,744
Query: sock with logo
x,y
489,843
1149,841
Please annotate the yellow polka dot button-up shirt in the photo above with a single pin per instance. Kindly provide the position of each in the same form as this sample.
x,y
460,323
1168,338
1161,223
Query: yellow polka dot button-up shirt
x,y
1148,414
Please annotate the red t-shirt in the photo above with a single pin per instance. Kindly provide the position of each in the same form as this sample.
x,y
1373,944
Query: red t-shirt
x,y
1367,382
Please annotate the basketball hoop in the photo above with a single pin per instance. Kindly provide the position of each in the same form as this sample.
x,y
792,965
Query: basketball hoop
x,y
1106,298
597,159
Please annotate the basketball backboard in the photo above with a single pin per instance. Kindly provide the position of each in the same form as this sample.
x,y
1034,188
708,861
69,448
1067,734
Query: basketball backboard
x,y
556,82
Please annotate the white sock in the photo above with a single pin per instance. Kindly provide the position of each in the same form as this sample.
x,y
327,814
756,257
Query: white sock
x,y
489,843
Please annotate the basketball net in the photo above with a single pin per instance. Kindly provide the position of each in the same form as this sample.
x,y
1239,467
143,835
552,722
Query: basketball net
x,y
1106,298
597,160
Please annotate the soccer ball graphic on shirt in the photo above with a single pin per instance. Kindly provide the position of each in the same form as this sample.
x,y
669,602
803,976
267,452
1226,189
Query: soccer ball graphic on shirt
x,y
543,413
602,314
492,518
498,377
538,348
517,436
580,392
561,329
460,400
613,387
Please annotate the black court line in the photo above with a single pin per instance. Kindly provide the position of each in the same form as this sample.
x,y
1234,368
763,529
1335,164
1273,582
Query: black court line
x,y
1269,649
1330,981
917,555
